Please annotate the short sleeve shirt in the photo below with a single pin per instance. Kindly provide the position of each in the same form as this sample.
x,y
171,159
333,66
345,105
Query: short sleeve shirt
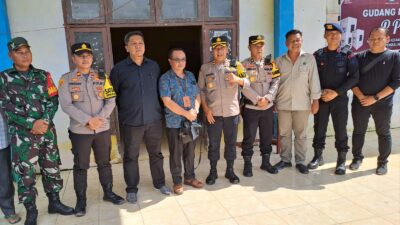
x,y
176,88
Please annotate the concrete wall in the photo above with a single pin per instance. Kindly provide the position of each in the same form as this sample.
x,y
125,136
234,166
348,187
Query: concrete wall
x,y
256,17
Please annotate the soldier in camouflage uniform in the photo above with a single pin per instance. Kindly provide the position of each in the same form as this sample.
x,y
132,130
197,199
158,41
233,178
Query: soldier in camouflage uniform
x,y
29,99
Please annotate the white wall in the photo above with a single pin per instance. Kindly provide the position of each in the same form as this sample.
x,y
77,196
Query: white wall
x,y
256,17
41,23
309,17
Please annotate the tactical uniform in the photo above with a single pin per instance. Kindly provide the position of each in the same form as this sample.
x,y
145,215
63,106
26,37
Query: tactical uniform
x,y
338,71
264,81
25,98
83,96
222,98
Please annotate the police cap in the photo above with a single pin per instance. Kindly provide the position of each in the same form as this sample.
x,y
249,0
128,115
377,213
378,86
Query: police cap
x,y
253,40
333,26
219,40
80,48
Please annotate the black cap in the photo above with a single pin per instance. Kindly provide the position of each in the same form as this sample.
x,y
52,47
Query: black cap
x,y
81,47
219,40
253,40
333,26
16,43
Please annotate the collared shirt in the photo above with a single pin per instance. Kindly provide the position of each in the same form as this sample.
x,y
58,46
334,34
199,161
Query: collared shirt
x,y
82,97
137,91
337,70
385,72
220,95
176,88
262,82
4,139
299,83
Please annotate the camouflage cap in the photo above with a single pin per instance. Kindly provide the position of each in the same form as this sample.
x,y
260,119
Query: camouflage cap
x,y
16,43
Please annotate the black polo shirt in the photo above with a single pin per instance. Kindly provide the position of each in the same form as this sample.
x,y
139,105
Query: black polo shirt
x,y
137,93
386,72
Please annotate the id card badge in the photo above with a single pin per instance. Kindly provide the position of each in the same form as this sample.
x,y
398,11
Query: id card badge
x,y
186,102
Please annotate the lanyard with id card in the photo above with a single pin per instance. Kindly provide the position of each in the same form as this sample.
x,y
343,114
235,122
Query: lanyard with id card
x,y
186,99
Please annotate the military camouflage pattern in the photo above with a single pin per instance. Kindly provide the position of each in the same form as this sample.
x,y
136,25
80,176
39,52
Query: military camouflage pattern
x,y
26,98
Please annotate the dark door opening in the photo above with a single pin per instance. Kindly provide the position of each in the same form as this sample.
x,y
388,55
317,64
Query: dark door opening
x,y
159,40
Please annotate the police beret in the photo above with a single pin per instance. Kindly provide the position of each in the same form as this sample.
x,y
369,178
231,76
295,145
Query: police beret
x,y
16,43
253,40
333,26
81,47
219,40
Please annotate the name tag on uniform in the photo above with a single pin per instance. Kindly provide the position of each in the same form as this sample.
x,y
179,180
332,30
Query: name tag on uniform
x,y
186,101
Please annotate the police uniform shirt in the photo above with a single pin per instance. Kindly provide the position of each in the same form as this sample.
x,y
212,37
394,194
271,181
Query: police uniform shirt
x,y
83,98
299,83
386,72
262,82
337,70
221,96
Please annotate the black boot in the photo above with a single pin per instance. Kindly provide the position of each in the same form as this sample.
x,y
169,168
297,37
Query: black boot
x,y
230,174
31,213
248,167
110,196
317,160
266,165
213,173
341,164
55,205
80,207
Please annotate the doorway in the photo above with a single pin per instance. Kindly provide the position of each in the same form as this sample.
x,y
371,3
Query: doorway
x,y
159,40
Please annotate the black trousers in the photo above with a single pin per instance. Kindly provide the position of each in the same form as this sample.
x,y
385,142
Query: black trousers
x,y
132,138
6,184
229,126
381,113
177,152
338,109
263,120
82,144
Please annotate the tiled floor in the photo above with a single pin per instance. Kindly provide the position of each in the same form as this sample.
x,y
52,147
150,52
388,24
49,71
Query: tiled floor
x,y
359,197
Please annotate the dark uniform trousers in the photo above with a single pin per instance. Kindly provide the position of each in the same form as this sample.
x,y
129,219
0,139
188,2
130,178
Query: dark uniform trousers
x,y
6,184
176,150
229,126
338,109
253,119
381,113
132,138
81,147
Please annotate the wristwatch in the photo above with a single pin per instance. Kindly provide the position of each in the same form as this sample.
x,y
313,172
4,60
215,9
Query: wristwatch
x,y
376,97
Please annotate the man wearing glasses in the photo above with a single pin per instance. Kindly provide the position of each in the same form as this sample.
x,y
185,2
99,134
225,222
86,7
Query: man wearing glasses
x,y
373,95
180,95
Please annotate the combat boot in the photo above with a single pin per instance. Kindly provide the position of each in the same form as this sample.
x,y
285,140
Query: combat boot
x,y
110,196
55,205
317,160
230,174
266,165
31,213
341,163
210,180
80,207
248,167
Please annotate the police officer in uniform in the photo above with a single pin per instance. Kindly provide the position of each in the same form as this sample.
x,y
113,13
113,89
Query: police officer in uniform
x,y
88,99
258,111
338,72
29,100
219,92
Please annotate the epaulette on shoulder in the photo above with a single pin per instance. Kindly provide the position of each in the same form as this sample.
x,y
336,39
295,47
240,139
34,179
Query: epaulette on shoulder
x,y
319,52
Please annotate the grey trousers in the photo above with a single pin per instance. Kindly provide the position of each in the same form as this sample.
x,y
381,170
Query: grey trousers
x,y
6,185
296,122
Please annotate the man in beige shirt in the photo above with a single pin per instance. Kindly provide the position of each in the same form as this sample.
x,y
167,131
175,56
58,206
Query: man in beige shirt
x,y
298,94
219,90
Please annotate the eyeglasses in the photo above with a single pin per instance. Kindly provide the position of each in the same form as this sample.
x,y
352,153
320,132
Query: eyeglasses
x,y
376,39
179,60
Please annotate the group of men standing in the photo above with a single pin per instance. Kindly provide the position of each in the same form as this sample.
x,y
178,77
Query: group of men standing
x,y
296,84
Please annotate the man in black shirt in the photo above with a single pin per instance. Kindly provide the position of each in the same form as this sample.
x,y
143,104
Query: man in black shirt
x,y
373,95
338,72
135,83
